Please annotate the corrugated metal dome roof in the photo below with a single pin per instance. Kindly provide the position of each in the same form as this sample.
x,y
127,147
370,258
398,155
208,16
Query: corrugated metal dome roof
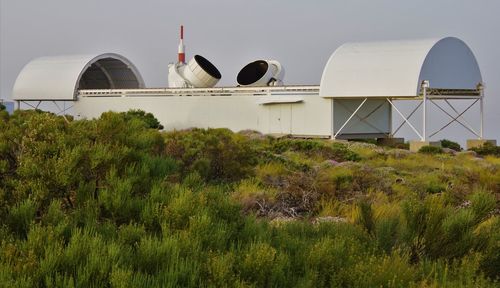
x,y
396,68
59,77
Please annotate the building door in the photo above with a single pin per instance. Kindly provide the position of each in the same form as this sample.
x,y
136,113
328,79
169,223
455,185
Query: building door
x,y
280,118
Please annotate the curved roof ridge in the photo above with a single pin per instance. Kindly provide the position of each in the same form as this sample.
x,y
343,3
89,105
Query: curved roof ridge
x,y
395,68
59,77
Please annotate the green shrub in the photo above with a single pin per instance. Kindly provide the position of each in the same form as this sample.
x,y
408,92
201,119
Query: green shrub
x,y
131,234
457,234
386,230
429,183
404,146
489,234
272,173
445,143
148,118
384,271
487,149
154,255
118,200
113,203
221,270
334,181
363,215
482,204
341,152
21,216
365,140
324,149
430,150
55,214
264,266
252,195
180,209
327,262
215,154
283,145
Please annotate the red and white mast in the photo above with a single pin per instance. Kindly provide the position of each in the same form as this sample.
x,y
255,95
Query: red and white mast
x,y
181,54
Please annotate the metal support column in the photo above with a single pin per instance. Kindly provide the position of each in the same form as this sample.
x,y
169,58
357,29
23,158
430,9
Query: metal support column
x,y
425,85
332,120
480,87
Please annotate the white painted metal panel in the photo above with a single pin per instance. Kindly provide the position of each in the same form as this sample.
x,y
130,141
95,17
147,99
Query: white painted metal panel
x,y
286,118
396,68
311,117
58,78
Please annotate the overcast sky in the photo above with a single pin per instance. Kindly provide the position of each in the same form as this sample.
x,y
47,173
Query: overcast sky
x,y
300,34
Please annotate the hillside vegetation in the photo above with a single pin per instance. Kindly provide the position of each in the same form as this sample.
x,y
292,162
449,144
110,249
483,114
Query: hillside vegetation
x,y
113,202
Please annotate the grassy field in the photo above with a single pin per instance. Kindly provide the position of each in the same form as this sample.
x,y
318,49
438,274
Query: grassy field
x,y
113,202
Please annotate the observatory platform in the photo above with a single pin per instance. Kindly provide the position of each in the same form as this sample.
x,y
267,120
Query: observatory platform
x,y
357,96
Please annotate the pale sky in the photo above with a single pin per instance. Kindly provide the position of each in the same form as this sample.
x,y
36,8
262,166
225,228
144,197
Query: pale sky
x,y
300,34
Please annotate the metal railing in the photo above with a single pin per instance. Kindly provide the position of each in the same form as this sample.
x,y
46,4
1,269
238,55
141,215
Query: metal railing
x,y
219,91
452,93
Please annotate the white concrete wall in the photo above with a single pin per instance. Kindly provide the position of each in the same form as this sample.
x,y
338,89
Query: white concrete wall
x,y
311,117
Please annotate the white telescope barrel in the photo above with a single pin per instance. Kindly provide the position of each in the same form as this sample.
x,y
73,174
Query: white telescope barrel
x,y
261,73
200,73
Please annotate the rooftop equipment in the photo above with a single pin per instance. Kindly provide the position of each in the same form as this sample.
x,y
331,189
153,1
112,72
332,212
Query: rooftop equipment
x,y
197,73
261,73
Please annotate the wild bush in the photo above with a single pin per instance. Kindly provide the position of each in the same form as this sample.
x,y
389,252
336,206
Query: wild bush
x,y
362,214
326,150
487,149
21,216
488,233
482,205
445,143
254,196
384,271
215,154
334,182
112,202
431,183
430,150
148,118
272,173
264,266
386,227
